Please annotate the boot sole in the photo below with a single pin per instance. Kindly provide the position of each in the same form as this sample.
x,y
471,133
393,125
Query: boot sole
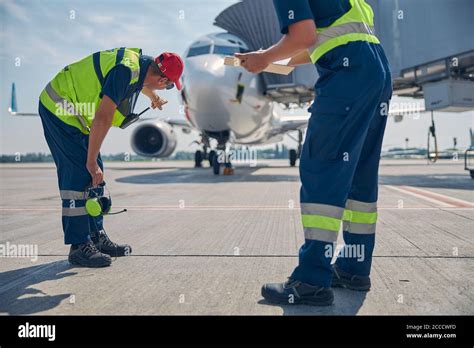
x,y
112,254
87,264
346,285
326,301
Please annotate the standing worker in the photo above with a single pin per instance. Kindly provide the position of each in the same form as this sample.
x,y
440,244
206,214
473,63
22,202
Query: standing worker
x,y
77,108
340,156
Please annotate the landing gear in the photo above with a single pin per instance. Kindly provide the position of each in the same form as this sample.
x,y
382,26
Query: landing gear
x,y
198,159
216,166
219,156
295,154
201,155
211,156
293,157
215,157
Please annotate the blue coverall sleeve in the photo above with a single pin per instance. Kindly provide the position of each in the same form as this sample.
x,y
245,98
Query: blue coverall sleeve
x,y
289,12
116,83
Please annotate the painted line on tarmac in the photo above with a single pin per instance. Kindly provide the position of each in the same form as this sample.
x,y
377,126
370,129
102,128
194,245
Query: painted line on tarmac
x,y
233,208
439,199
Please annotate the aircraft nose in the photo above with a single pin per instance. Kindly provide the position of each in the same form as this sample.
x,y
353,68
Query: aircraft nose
x,y
207,94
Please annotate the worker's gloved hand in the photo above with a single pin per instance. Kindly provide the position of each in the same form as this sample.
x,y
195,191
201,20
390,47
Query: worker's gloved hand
x,y
157,102
254,62
95,172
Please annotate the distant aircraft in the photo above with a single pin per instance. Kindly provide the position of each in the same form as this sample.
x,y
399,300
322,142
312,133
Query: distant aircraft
x,y
13,105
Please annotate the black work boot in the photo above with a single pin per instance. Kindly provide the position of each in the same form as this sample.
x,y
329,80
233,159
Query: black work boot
x,y
342,279
86,254
296,292
106,246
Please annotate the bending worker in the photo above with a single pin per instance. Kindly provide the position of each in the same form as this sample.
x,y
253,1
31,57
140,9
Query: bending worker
x,y
77,108
340,156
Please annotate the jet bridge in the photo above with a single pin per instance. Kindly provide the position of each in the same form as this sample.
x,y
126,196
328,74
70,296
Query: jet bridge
x,y
255,22
446,84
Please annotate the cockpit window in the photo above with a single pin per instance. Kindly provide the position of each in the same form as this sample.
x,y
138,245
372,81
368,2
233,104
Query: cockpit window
x,y
227,50
197,51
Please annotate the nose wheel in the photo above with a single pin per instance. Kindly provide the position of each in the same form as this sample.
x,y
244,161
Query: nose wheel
x,y
198,156
216,166
211,156
295,154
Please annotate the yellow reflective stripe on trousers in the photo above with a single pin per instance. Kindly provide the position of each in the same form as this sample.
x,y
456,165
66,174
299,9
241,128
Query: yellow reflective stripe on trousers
x,y
360,217
321,222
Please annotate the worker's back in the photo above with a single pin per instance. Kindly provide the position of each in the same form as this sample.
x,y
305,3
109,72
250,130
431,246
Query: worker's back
x,y
325,12
74,94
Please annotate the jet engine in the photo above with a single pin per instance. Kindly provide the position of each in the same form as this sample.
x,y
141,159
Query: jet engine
x,y
157,139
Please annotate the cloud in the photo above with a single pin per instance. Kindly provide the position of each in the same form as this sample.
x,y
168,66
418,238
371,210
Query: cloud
x,y
99,19
14,10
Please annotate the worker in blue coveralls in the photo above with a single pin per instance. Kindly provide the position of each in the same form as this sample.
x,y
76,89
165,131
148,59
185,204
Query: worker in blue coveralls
x,y
77,108
340,157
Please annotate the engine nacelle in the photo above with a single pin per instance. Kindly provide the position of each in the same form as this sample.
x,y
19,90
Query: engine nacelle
x,y
157,139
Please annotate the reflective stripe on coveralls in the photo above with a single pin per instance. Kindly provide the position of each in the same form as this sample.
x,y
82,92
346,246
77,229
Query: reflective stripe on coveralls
x,y
322,222
66,106
360,217
79,211
356,25
80,85
76,195
69,195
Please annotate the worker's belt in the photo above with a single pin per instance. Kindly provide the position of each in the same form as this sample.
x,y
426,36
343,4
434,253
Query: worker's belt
x,y
339,35
69,106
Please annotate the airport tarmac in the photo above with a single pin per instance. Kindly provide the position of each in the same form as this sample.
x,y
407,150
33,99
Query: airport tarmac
x,y
204,244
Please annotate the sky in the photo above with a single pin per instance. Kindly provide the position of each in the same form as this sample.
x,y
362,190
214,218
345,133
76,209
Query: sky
x,y
39,38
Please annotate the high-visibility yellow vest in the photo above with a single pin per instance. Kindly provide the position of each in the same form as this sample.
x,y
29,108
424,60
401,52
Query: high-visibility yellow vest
x,y
73,95
355,25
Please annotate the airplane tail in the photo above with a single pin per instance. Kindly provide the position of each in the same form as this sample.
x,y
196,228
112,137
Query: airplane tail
x,y
13,109
13,106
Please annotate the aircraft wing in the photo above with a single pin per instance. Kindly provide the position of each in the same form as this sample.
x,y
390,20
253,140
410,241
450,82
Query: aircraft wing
x,y
297,122
290,123
14,113
178,122
181,123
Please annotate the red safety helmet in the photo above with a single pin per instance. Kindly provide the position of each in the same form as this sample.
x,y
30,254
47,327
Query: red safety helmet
x,y
171,65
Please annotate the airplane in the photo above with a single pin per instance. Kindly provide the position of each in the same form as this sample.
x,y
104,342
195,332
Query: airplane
x,y
225,103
